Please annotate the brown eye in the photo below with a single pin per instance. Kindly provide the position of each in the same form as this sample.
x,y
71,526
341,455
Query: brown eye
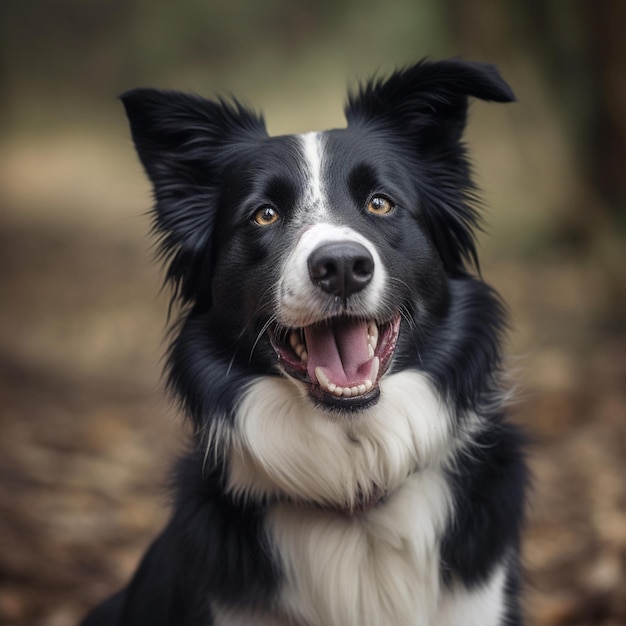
x,y
266,215
380,205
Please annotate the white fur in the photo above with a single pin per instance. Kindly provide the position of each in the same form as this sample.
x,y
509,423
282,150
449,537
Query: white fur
x,y
284,445
483,606
377,568
313,201
300,302
380,568
372,569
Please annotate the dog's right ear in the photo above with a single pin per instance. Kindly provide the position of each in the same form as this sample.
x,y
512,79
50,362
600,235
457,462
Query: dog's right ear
x,y
184,143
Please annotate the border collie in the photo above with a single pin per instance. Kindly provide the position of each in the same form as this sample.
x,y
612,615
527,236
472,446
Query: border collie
x,y
339,356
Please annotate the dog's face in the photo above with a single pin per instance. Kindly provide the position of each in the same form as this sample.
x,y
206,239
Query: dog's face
x,y
319,254
323,257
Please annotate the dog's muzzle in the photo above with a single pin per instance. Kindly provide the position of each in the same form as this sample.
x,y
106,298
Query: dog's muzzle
x,y
343,356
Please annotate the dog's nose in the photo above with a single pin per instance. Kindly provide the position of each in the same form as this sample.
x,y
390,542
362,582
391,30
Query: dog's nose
x,y
341,268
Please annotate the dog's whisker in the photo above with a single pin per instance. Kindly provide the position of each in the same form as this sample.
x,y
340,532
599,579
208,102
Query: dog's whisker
x,y
239,337
260,334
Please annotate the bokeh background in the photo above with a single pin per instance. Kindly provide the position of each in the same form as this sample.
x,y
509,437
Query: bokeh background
x,y
86,433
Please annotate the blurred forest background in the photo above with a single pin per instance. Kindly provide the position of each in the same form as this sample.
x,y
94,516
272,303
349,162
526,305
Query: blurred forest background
x,y
86,434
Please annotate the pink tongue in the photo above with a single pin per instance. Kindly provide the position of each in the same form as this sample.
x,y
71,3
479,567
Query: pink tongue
x,y
340,349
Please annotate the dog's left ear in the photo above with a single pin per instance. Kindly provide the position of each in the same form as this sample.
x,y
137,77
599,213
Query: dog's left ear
x,y
428,98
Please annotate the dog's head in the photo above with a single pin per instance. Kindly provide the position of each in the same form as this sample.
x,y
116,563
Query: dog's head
x,y
325,257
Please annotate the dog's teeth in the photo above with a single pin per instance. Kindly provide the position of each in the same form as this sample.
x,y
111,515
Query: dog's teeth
x,y
298,346
322,379
294,341
352,392
345,392
370,351
372,334
375,367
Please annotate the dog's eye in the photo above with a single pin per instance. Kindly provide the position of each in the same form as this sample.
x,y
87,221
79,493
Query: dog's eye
x,y
379,205
266,215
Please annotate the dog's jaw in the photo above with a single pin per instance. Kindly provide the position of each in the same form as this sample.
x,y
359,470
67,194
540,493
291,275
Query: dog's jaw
x,y
341,359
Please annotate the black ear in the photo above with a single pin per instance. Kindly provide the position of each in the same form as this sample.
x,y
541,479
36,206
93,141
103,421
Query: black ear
x,y
428,96
185,143
425,106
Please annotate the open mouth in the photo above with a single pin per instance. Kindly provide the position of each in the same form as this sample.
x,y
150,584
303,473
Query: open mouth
x,y
343,358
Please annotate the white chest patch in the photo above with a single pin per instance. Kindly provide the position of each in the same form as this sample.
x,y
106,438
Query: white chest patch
x,y
381,568
283,445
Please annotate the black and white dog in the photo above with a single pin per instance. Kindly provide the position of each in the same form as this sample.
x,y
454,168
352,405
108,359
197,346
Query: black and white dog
x,y
340,359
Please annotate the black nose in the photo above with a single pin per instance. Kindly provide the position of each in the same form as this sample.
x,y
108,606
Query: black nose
x,y
341,268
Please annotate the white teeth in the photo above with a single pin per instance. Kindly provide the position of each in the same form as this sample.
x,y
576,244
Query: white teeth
x,y
375,367
346,392
322,379
372,338
370,351
294,340
298,346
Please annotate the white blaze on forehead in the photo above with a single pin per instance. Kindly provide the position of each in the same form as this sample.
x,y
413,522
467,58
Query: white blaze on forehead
x,y
313,156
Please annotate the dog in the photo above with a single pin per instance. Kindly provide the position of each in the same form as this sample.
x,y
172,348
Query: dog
x,y
339,356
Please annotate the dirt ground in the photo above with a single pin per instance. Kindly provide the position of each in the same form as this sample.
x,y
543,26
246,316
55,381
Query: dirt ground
x,y
87,436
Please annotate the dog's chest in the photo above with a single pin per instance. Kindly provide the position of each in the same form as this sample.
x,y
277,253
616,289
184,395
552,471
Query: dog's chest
x,y
381,569
378,568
